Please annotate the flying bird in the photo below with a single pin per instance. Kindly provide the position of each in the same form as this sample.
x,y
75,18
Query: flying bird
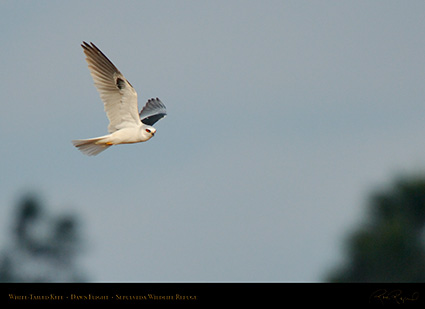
x,y
126,124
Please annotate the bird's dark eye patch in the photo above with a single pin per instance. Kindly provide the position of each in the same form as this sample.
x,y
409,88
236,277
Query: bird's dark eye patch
x,y
147,130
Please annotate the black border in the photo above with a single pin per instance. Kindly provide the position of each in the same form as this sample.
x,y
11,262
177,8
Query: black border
x,y
194,294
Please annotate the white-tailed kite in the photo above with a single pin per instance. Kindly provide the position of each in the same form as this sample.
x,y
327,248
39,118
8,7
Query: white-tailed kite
x,y
126,124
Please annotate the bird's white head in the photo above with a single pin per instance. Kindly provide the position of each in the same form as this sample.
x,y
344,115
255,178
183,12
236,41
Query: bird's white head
x,y
148,132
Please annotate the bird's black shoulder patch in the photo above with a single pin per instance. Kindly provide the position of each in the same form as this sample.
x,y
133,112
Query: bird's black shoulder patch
x,y
120,83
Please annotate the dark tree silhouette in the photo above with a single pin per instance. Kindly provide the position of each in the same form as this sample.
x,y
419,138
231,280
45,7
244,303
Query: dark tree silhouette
x,y
390,246
42,248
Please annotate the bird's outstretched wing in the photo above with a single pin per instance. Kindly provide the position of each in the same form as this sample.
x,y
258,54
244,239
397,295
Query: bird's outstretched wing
x,y
117,94
153,111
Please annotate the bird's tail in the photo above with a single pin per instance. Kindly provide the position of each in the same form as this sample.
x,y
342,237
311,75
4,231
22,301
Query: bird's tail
x,y
91,146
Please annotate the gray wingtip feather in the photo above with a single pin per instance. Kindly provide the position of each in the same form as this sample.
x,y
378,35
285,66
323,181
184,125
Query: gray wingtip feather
x,y
153,111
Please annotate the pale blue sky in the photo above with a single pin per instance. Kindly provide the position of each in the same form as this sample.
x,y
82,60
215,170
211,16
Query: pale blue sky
x,y
283,115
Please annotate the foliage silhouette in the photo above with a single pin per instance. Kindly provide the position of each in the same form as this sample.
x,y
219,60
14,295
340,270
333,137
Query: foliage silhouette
x,y
390,246
42,248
